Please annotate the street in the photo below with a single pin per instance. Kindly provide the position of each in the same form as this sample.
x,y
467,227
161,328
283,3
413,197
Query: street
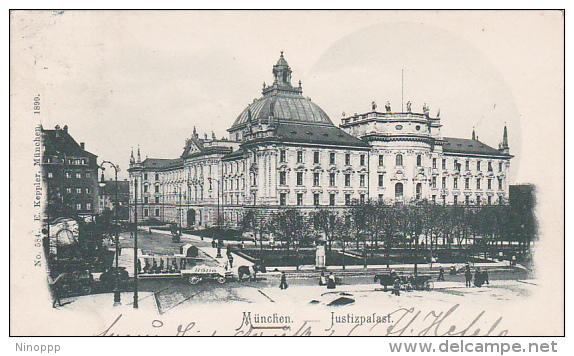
x,y
174,293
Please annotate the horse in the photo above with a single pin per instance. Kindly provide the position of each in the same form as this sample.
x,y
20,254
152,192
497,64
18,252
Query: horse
x,y
250,272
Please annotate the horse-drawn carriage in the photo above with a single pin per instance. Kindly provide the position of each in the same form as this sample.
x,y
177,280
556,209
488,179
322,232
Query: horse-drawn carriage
x,y
408,283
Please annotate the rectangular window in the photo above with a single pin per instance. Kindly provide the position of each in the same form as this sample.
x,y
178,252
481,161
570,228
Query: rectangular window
x,y
50,175
362,180
478,166
467,165
381,197
332,199
455,199
88,191
444,163
467,200
69,190
362,198
88,175
316,157
455,165
490,166
347,180
145,188
157,188
434,182
347,159
299,199
489,200
362,160
157,200
299,156
156,212
332,179
500,166
88,206
477,183
434,163
78,190
68,175
156,176
146,199
434,199
316,199
381,180
347,199
315,179
282,178
332,158
489,184
146,213
467,183
381,160
455,186
145,176
282,155
499,183
78,175
444,182
78,206
283,199
299,178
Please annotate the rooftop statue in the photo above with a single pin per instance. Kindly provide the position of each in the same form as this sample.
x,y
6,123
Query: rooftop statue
x,y
409,107
388,106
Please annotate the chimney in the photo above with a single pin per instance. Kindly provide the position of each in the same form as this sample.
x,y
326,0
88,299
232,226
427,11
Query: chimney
x,y
83,145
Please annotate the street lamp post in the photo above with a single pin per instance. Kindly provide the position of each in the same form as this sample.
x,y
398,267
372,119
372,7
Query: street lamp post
x,y
135,242
117,293
218,219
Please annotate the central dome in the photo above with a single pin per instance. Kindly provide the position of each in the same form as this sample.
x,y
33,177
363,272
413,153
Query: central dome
x,y
282,102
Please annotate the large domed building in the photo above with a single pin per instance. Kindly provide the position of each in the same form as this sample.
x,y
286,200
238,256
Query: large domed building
x,y
284,151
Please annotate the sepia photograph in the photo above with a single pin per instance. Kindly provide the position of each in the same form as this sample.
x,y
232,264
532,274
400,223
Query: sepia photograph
x,y
281,172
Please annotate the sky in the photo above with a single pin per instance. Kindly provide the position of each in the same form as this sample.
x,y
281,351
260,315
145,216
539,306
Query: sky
x,y
120,79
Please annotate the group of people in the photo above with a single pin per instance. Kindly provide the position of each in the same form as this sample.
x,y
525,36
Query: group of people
x,y
480,276
330,281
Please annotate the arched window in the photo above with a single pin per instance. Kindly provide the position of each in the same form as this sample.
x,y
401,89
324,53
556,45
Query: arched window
x,y
399,160
419,160
399,190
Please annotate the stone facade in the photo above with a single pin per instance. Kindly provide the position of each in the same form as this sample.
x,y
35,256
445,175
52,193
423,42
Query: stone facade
x,y
284,151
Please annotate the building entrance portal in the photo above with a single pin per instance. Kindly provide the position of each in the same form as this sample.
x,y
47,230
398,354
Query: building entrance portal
x,y
190,218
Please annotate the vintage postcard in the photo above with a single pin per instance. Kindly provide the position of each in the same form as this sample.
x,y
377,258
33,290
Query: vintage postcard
x,y
299,173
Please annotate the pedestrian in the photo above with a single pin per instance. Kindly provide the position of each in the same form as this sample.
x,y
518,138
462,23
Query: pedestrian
x,y
478,278
322,279
513,261
242,245
397,287
485,277
453,270
56,292
213,245
283,284
440,274
331,281
139,265
230,259
468,276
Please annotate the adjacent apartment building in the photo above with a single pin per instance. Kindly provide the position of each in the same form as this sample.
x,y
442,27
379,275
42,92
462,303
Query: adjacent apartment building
x,y
70,174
